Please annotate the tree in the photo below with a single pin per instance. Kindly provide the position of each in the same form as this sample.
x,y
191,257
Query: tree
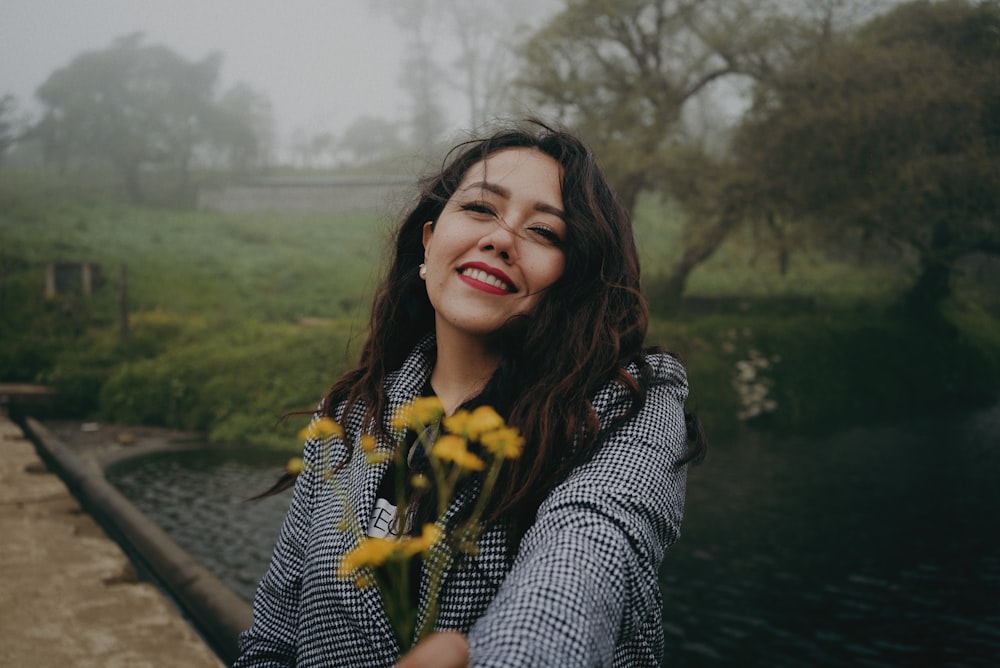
x,y
11,124
623,73
487,34
468,46
620,73
370,138
243,128
133,106
892,134
421,77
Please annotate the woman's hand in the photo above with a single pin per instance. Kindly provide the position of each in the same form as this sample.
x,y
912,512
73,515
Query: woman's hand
x,y
442,649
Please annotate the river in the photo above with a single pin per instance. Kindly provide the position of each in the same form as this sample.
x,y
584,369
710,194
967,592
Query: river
x,y
873,546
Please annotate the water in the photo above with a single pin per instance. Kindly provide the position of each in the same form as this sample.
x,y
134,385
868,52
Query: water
x,y
200,498
870,547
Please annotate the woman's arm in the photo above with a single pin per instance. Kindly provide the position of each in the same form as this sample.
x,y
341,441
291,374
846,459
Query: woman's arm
x,y
584,585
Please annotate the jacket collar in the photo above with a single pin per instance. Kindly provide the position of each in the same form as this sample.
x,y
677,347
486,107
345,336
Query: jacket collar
x,y
401,386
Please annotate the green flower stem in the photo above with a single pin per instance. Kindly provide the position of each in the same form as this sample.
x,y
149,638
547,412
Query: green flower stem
x,y
441,482
484,494
399,460
395,596
435,576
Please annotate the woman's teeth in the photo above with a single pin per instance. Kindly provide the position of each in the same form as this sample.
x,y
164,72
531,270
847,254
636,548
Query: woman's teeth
x,y
483,277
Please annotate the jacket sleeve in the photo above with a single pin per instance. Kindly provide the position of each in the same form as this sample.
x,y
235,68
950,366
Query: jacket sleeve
x,y
270,641
585,579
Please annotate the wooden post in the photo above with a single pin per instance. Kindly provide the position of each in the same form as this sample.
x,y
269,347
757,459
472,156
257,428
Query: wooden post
x,y
86,279
123,303
50,280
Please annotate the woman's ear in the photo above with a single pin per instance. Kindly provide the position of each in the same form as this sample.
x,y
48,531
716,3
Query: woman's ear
x,y
428,233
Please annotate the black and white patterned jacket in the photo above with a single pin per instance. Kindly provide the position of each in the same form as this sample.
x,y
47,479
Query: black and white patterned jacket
x,y
582,589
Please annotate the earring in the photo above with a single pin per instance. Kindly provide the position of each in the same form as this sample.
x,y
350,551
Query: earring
x,y
423,271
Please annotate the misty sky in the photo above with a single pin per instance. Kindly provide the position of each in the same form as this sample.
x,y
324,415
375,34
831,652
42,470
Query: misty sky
x,y
322,63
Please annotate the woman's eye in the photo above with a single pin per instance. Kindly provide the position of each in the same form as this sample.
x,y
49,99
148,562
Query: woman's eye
x,y
478,208
547,234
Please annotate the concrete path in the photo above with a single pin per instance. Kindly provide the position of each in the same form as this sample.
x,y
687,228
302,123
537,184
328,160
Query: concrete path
x,y
68,594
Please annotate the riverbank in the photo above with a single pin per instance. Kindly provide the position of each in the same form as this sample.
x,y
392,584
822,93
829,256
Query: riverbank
x,y
70,594
108,443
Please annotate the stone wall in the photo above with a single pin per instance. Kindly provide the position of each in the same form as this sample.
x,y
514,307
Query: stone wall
x,y
309,195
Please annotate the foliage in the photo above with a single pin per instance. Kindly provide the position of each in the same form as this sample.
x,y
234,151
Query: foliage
x,y
369,138
484,34
237,319
133,107
893,133
234,387
234,320
10,124
243,128
833,368
620,73
625,75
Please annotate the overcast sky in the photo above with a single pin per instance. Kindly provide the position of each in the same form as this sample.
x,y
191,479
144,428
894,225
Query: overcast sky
x,y
322,63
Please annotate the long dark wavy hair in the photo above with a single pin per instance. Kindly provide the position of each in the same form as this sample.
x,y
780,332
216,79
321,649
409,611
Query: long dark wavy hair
x,y
587,327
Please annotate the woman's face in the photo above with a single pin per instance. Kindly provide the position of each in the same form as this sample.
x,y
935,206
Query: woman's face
x,y
498,243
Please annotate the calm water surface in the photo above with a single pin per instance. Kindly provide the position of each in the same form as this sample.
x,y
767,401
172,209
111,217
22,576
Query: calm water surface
x,y
200,498
871,547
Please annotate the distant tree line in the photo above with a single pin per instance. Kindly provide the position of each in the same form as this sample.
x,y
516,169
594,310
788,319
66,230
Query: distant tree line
x,y
143,109
857,121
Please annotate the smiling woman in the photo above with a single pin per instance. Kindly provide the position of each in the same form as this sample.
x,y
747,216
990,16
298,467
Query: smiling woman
x,y
514,284
494,250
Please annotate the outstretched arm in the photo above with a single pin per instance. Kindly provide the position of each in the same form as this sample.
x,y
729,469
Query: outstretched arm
x,y
583,589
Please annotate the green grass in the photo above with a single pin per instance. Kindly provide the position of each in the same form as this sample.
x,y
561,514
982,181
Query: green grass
x,y
747,264
235,320
259,267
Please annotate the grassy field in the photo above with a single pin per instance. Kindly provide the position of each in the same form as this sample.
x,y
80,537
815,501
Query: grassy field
x,y
236,319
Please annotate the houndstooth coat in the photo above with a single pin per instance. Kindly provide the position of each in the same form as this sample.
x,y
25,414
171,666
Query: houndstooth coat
x,y
581,590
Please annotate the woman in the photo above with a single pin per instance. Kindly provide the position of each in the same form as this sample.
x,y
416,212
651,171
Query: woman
x,y
514,284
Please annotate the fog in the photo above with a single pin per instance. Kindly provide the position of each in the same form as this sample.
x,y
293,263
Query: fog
x,y
322,63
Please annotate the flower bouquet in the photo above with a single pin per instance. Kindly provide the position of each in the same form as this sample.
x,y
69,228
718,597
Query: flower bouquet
x,y
456,446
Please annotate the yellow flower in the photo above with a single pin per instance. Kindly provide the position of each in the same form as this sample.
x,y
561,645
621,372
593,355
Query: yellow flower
x,y
427,410
473,425
506,442
452,448
420,481
369,445
321,428
429,537
417,414
294,466
376,458
369,553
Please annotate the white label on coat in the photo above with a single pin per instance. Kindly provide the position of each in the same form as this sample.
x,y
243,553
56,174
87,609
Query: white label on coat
x,y
380,523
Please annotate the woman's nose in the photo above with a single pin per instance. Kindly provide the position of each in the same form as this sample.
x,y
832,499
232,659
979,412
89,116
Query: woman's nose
x,y
500,239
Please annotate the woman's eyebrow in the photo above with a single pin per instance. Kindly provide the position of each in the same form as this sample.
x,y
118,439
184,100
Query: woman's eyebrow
x,y
492,187
497,189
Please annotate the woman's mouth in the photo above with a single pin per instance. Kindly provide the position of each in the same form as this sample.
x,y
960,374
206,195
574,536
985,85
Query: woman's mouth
x,y
483,280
